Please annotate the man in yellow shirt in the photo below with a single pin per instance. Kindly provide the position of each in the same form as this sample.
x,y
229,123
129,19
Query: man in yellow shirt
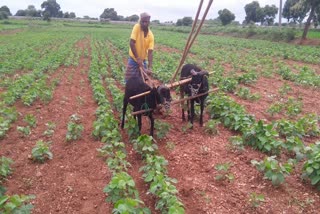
x,y
141,48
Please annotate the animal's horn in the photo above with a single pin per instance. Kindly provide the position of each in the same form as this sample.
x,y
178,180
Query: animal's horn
x,y
193,72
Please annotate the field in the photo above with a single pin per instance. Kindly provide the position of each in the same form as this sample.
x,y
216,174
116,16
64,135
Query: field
x,y
61,89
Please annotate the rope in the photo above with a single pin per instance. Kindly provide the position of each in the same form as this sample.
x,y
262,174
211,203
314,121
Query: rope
x,y
189,44
145,105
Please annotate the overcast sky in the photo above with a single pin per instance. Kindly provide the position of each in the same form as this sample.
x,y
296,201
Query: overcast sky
x,y
163,10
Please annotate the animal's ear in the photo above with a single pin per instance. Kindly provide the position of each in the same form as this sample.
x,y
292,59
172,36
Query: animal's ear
x,y
204,73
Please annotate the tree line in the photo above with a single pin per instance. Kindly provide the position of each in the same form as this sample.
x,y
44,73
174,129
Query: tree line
x,y
295,11
50,8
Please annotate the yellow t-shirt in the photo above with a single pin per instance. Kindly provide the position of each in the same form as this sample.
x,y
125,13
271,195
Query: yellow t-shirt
x,y
143,44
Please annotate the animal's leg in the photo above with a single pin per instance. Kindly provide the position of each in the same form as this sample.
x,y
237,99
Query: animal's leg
x,y
191,112
139,123
201,110
182,104
124,109
189,109
152,124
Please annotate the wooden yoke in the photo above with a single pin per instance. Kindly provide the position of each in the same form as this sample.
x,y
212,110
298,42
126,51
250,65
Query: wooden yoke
x,y
192,97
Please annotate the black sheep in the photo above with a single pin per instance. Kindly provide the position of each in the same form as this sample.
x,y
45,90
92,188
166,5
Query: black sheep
x,y
198,85
159,95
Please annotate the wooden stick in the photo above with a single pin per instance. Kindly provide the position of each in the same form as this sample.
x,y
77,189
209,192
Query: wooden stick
x,y
198,95
181,82
177,83
186,50
141,111
140,95
190,42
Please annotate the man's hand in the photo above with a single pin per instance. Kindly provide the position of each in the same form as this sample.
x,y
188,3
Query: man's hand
x,y
148,71
140,62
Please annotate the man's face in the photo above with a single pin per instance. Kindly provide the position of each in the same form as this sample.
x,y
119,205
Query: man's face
x,y
145,21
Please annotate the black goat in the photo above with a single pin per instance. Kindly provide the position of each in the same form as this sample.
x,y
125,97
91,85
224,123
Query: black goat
x,y
197,85
159,95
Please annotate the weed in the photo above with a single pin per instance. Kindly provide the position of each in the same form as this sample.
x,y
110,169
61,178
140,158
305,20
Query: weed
x,y
255,199
211,127
31,120
223,172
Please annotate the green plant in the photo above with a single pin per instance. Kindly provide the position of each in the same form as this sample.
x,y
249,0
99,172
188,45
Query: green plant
x,y
273,170
41,152
186,127
275,108
5,168
144,145
155,165
121,186
31,120
255,199
223,172
132,128
130,205
170,145
162,186
24,130
74,129
162,128
293,107
117,162
15,204
285,89
246,94
262,137
311,168
236,143
211,127
50,128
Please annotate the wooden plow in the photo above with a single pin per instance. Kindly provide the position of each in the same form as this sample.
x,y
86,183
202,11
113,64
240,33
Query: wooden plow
x,y
177,101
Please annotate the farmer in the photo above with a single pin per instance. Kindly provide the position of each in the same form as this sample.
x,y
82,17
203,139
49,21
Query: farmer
x,y
141,47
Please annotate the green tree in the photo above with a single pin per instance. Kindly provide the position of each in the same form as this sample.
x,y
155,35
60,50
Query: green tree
x,y
316,19
66,15
51,8
60,14
4,12
132,18
294,14
254,12
21,13
185,21
32,11
269,14
72,15
156,21
109,13
5,9
313,6
226,16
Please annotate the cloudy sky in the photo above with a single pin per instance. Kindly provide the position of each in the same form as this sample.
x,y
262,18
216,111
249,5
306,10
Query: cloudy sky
x,y
163,10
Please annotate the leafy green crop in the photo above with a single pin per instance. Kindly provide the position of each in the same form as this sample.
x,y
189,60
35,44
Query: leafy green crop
x,y
5,168
311,168
273,170
74,128
41,152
